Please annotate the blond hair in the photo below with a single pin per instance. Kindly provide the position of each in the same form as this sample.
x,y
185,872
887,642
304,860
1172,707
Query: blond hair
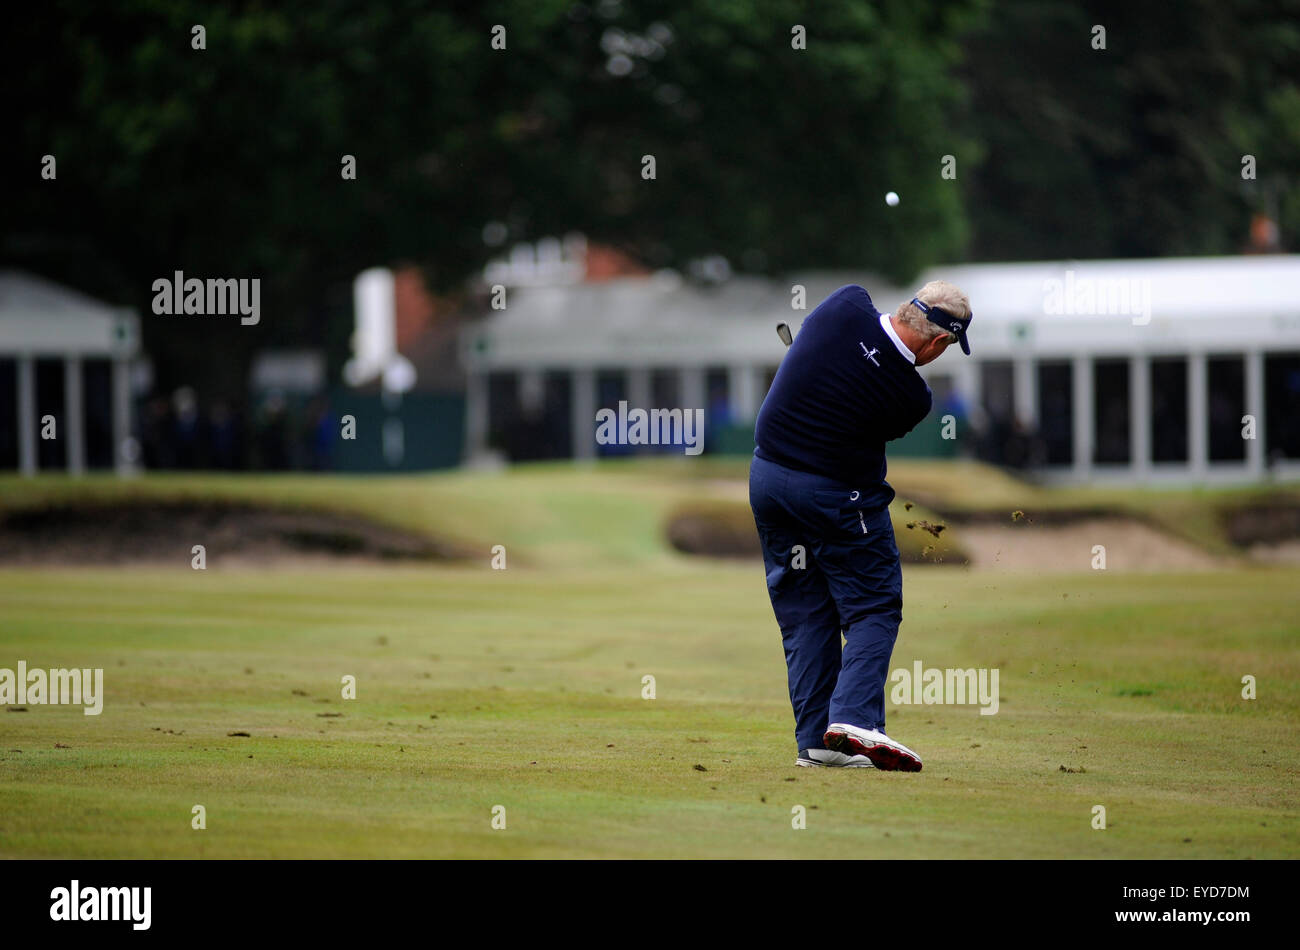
x,y
937,293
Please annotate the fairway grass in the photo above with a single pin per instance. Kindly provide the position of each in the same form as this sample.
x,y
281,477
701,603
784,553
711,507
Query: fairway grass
x,y
523,688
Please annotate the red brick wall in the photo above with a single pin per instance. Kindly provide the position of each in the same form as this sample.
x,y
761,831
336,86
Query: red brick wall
x,y
414,309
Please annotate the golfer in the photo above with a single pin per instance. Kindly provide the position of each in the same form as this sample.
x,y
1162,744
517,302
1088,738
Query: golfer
x,y
817,487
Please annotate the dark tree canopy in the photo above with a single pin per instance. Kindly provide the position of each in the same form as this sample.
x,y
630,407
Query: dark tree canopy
x,y
226,161
1135,150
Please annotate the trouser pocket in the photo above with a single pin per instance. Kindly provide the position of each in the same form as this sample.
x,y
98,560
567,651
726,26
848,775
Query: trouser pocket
x,y
845,518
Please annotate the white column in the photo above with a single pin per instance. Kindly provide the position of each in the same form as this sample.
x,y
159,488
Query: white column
x,y
692,387
742,387
74,416
1084,424
1025,388
27,415
970,383
582,409
476,413
530,387
1198,416
972,376
123,458
1255,407
638,389
1139,415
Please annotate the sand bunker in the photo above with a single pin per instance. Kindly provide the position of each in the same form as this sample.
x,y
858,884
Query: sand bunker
x,y
230,533
1129,546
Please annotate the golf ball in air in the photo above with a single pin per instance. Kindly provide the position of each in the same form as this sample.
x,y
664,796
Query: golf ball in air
x,y
891,199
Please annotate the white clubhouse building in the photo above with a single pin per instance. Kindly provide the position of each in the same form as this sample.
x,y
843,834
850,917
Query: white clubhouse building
x,y
1182,369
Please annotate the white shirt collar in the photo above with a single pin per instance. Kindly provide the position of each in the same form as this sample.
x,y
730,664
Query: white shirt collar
x,y
887,325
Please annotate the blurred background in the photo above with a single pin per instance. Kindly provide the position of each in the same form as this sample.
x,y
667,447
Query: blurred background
x,y
460,248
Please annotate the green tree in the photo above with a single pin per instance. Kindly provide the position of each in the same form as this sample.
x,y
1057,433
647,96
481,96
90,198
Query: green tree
x,y
225,161
1133,150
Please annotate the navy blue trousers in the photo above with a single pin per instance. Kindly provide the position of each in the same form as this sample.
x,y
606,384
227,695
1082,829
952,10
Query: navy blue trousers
x,y
832,568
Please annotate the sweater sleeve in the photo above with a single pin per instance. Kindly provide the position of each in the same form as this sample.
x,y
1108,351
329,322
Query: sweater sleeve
x,y
920,408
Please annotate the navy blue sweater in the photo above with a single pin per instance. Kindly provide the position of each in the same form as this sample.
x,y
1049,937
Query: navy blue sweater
x,y
842,391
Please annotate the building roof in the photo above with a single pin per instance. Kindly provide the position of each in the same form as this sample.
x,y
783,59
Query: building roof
x,y
41,318
659,320
1179,286
1051,308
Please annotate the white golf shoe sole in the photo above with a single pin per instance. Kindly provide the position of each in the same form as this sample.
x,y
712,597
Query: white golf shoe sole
x,y
828,759
885,753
